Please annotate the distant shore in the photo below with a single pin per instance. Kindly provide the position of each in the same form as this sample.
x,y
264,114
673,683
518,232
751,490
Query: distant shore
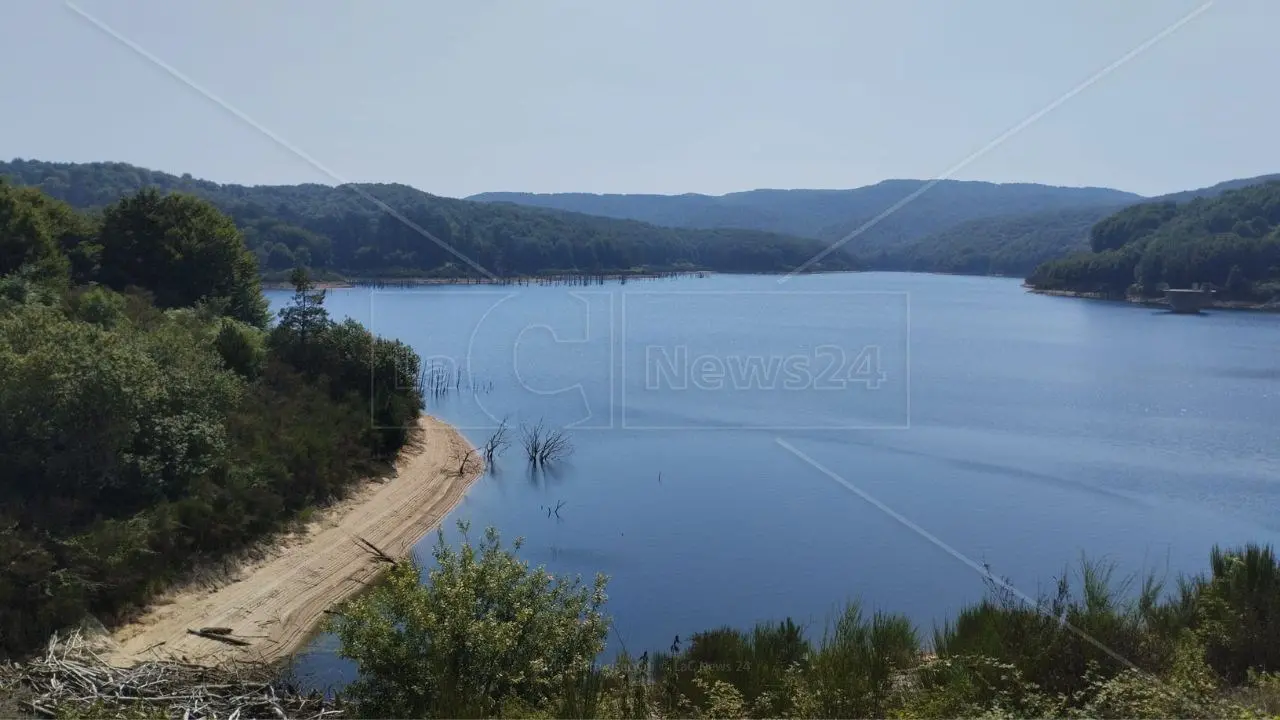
x,y
275,605
557,279
1159,302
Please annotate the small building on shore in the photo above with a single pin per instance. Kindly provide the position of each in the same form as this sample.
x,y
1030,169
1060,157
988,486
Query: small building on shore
x,y
1188,301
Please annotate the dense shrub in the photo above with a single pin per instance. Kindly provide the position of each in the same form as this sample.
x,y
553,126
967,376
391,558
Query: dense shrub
x,y
483,631
140,441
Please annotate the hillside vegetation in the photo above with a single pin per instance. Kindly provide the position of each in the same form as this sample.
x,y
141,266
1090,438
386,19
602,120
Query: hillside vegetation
x,y
969,228
1231,242
152,421
832,214
1000,245
1017,244
339,230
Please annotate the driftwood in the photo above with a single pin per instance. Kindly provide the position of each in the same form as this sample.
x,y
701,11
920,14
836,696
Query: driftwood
x,y
376,552
70,676
220,637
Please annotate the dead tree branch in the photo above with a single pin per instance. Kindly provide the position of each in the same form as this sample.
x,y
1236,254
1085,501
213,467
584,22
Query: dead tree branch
x,y
375,551
497,443
543,445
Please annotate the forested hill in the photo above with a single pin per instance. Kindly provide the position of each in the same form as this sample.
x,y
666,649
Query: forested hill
x,y
832,214
1231,241
339,230
1017,244
1000,245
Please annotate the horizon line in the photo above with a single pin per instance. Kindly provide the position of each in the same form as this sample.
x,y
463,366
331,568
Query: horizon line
x,y
182,175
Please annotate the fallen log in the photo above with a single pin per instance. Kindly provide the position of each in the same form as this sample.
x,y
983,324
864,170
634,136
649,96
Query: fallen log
x,y
220,638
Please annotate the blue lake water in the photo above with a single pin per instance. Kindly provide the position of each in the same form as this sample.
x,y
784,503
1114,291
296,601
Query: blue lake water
x,y
748,449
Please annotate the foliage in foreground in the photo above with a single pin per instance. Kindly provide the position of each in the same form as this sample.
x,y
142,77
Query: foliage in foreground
x,y
485,629
150,422
485,635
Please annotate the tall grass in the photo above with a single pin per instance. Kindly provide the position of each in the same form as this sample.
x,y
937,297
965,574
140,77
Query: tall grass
x,y
1239,610
1098,644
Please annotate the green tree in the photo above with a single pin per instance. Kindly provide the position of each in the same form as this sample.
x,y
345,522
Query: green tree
x,y
241,347
306,315
298,336
183,250
30,234
483,631
100,422
97,305
280,257
385,373
1130,225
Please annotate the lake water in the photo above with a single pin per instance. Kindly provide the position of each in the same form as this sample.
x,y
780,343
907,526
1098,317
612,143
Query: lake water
x,y
748,449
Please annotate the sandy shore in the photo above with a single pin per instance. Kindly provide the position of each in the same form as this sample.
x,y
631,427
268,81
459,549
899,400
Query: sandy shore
x,y
275,604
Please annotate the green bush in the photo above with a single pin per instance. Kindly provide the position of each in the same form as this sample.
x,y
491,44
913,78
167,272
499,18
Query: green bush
x,y
483,632
97,305
1240,611
242,348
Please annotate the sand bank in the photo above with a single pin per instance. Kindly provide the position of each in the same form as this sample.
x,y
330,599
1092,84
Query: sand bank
x,y
276,603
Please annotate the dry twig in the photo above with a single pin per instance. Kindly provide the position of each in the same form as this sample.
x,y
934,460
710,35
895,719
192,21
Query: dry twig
x,y
71,676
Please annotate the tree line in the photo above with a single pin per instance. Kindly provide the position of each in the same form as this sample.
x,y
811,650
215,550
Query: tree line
x,y
1230,242
381,230
152,419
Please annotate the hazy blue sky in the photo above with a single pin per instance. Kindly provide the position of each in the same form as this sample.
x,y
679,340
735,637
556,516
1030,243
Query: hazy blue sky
x,y
661,96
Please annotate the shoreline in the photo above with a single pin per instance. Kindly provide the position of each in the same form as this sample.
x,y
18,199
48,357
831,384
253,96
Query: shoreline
x,y
562,278
276,604
1161,303
552,279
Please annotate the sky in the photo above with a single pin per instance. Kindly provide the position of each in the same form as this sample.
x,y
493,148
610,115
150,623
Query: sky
x,y
648,96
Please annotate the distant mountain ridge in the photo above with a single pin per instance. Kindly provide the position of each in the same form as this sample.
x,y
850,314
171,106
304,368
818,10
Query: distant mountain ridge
x,y
1214,190
1017,244
966,227
830,214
